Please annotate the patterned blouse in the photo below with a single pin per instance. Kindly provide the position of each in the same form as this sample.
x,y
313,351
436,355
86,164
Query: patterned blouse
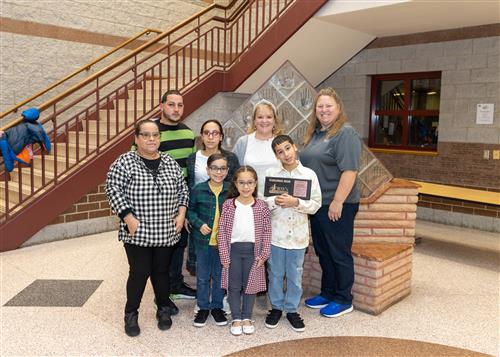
x,y
262,248
153,197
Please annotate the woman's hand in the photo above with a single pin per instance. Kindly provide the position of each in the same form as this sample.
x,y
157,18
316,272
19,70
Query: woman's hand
x,y
179,223
335,210
286,201
132,223
205,229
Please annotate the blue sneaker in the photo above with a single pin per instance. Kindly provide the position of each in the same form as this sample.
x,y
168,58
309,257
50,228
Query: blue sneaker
x,y
316,302
335,310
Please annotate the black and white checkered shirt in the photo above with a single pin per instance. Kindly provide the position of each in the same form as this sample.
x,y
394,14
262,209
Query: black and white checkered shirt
x,y
153,196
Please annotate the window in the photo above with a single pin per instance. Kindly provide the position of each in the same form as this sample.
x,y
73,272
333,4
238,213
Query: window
x,y
404,111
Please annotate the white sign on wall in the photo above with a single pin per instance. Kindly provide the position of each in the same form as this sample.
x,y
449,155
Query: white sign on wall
x,y
484,113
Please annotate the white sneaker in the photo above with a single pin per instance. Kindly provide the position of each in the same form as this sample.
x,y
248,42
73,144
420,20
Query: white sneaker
x,y
236,330
248,329
225,306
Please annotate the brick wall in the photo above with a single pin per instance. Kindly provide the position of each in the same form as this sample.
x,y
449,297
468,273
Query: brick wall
x,y
458,164
93,205
459,206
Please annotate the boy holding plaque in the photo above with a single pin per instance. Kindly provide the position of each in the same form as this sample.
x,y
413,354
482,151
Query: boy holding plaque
x,y
292,193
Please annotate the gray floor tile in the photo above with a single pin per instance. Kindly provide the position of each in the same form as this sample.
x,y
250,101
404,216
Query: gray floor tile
x,y
43,292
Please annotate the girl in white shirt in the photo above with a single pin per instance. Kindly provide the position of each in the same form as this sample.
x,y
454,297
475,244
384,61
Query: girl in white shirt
x,y
244,241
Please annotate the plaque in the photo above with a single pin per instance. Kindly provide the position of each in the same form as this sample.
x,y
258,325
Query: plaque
x,y
275,186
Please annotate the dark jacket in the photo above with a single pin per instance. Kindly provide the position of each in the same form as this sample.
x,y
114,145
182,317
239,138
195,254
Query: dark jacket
x,y
202,210
232,162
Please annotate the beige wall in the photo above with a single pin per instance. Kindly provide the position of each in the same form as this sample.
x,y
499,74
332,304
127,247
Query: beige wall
x,y
64,35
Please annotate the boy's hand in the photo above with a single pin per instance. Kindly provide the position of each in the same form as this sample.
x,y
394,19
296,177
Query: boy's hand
x,y
286,201
205,229
260,262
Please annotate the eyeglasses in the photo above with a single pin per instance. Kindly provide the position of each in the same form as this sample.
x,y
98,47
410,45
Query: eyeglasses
x,y
218,169
147,135
246,183
213,133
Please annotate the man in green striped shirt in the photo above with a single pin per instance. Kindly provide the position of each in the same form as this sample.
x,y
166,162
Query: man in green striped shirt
x,y
177,140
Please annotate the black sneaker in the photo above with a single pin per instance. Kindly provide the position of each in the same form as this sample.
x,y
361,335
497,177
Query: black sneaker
x,y
163,317
183,292
201,317
273,318
296,321
132,328
174,310
218,315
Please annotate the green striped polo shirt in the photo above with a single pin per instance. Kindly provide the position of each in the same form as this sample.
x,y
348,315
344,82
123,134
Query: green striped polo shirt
x,y
178,142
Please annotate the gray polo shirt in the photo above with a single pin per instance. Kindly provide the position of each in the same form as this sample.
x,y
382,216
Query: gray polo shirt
x,y
328,158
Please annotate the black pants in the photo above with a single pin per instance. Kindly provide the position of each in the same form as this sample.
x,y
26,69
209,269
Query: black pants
x,y
145,262
333,244
176,277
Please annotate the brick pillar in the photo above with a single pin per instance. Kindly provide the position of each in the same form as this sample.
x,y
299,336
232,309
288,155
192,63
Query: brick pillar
x,y
384,234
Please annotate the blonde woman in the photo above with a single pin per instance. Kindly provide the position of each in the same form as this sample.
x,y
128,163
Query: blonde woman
x,y
332,150
254,149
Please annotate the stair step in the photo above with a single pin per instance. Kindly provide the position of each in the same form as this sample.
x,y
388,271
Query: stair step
x,y
49,163
13,188
26,175
82,138
103,127
71,148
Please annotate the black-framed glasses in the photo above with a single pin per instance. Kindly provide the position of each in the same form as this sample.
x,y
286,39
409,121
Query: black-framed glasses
x,y
147,135
218,169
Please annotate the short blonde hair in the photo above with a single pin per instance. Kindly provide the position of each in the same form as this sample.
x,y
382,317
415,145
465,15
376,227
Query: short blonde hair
x,y
277,127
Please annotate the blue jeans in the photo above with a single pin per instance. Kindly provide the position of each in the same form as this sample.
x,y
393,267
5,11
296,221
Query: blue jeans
x,y
285,263
208,268
333,244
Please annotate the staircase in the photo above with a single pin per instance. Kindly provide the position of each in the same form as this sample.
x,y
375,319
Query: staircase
x,y
214,50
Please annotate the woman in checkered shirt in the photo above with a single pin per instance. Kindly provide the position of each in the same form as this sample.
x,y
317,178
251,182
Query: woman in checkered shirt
x,y
147,190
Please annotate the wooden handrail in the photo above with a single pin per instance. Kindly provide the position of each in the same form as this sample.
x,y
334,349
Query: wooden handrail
x,y
71,75
120,61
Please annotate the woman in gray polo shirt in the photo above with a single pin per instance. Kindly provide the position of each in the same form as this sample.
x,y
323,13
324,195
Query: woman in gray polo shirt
x,y
332,150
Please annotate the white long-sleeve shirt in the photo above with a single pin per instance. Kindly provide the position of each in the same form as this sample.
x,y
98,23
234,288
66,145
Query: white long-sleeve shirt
x,y
291,225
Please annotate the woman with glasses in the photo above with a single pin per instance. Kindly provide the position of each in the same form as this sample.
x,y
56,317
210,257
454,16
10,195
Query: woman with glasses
x,y
147,190
255,148
211,135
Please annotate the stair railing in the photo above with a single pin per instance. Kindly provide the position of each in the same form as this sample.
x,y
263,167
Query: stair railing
x,y
110,101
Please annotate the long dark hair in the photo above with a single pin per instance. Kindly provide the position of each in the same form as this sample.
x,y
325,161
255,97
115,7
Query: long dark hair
x,y
215,121
233,190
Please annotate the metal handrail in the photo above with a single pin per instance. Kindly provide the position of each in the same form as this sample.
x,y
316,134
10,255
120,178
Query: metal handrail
x,y
113,65
71,75
71,137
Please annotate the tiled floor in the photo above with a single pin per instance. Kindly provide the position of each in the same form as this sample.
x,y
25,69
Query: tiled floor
x,y
454,301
